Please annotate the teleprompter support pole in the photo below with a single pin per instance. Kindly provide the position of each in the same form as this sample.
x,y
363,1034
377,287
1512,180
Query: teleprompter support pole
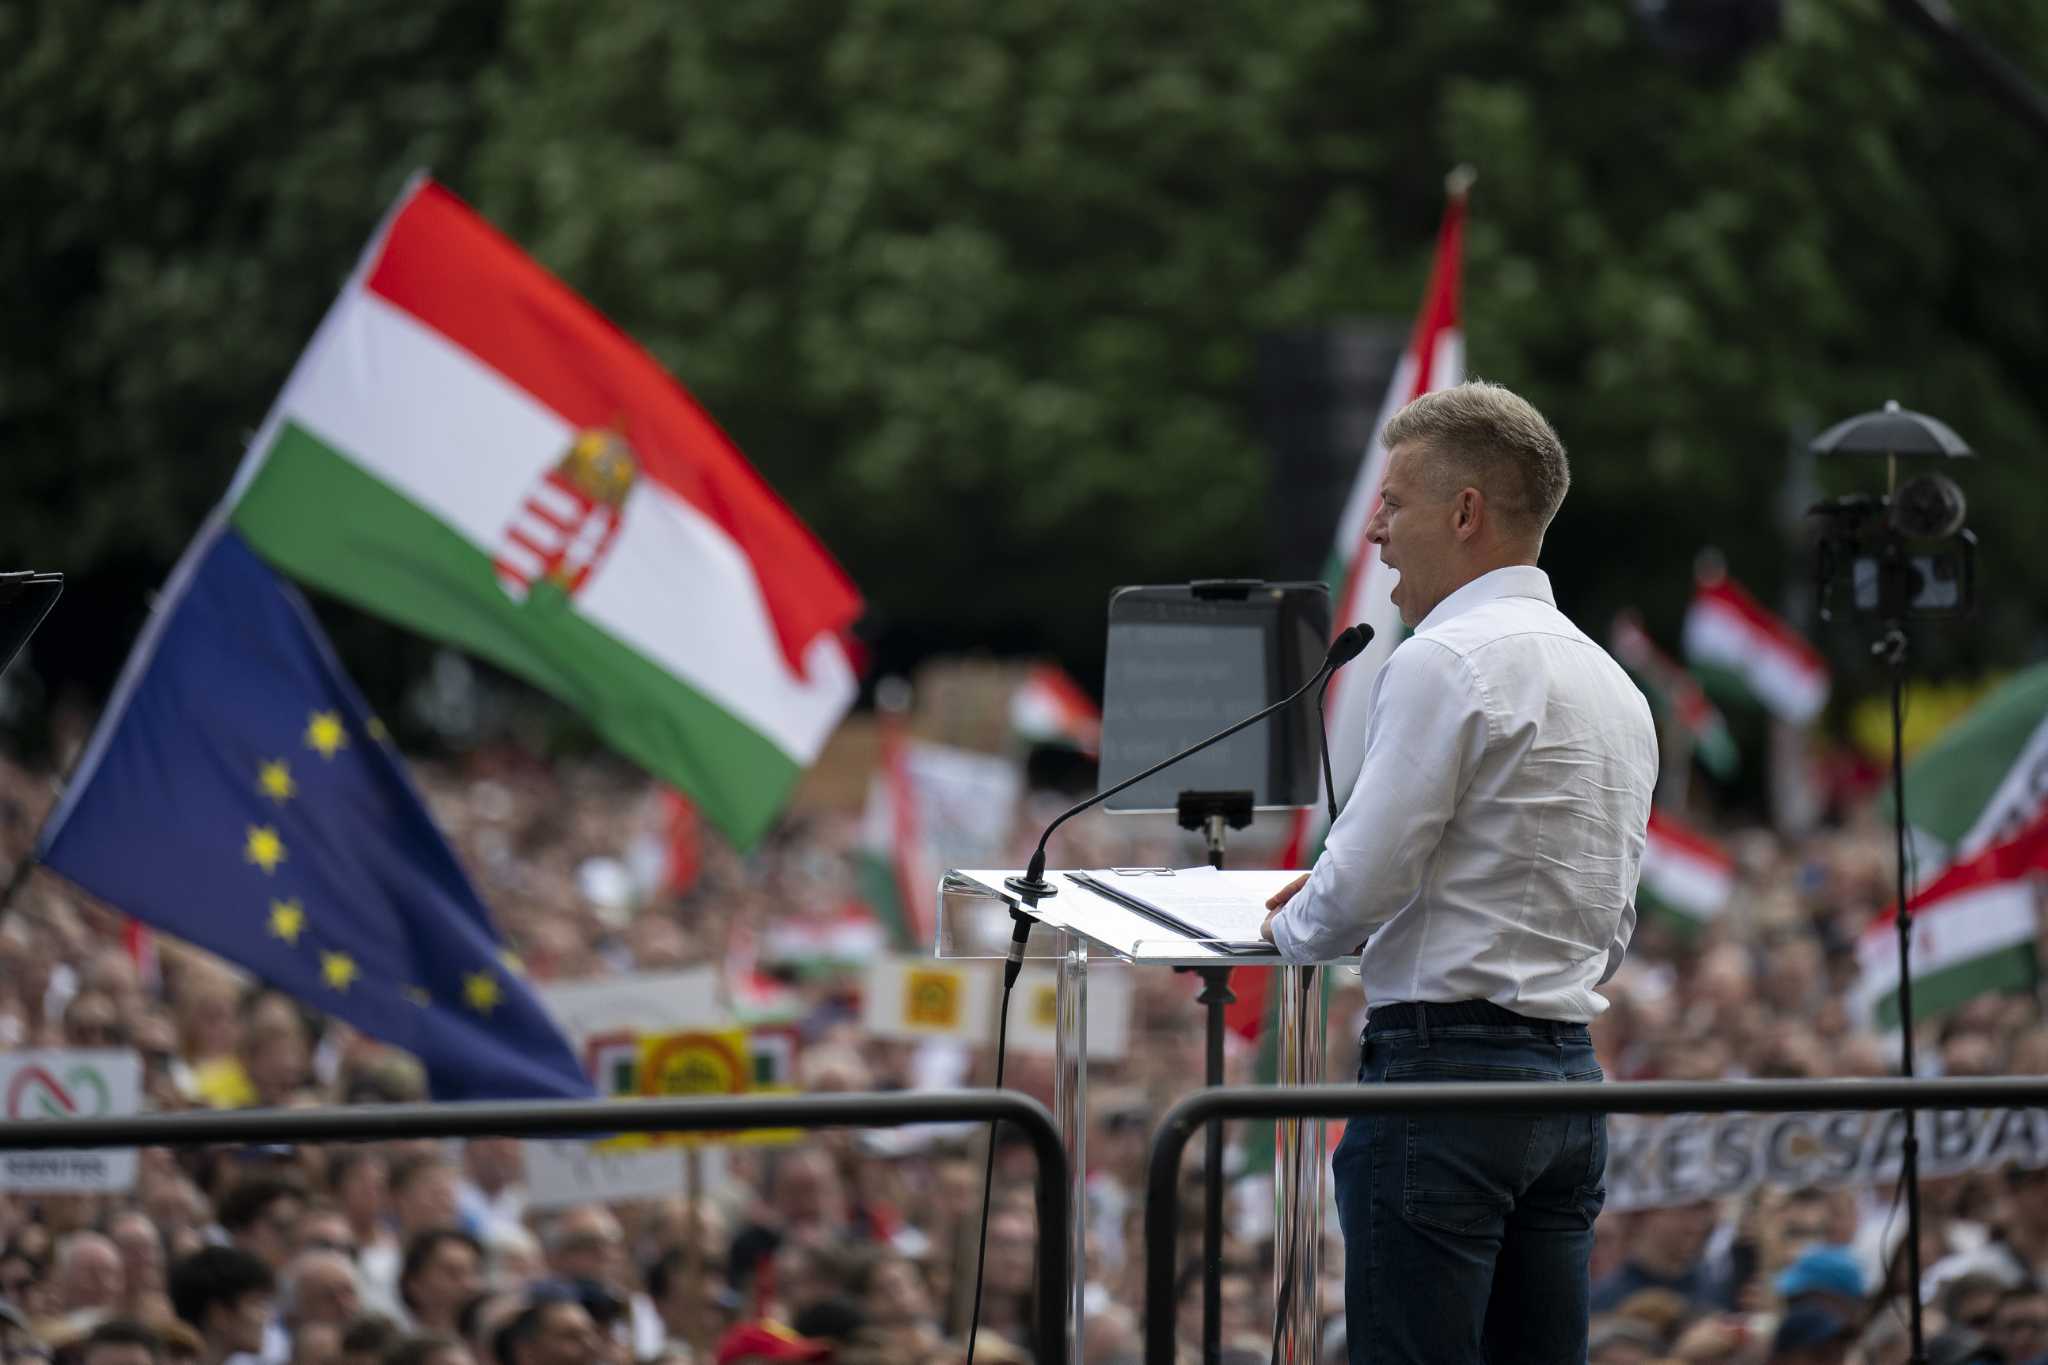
x,y
1212,813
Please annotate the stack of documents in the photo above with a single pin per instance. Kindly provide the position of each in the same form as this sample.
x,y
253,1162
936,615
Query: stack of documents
x,y
1200,903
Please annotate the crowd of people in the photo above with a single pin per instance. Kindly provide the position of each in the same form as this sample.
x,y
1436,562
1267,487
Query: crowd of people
x,y
846,1246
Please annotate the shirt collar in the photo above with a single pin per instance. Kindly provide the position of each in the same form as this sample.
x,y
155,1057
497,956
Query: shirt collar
x,y
1516,580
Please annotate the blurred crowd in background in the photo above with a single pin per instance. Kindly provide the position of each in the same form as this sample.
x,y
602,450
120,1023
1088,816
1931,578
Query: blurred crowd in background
x,y
845,1245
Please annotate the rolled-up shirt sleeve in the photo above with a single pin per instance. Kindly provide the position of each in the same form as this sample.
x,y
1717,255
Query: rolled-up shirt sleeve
x,y
1427,733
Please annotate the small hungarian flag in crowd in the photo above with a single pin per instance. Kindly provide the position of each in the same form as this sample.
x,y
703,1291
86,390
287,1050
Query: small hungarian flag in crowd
x,y
471,450
1973,932
1675,695
896,871
1986,776
1050,708
1686,876
1732,635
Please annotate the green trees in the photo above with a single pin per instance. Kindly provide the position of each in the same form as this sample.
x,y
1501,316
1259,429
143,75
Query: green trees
x,y
978,287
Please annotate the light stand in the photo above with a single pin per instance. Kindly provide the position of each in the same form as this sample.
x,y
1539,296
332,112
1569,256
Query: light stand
x,y
1903,554
1893,648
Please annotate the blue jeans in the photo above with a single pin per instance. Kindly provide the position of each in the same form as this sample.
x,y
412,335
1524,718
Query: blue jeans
x,y
1467,1237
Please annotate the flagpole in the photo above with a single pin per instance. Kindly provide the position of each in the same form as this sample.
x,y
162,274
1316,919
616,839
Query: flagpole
x,y
1676,779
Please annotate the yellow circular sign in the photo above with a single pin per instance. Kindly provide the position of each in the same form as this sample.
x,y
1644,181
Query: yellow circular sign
x,y
686,1064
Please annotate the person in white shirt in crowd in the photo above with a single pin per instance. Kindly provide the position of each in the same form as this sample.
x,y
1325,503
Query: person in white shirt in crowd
x,y
512,1257
89,1277
1486,861
492,1193
142,1263
319,1287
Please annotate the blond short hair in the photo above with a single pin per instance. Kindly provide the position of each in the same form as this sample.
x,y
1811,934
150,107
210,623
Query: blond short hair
x,y
1482,434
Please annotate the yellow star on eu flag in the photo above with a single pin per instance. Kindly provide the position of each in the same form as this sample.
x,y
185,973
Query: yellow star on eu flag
x,y
275,778
326,734
287,918
339,969
481,990
375,729
511,962
264,848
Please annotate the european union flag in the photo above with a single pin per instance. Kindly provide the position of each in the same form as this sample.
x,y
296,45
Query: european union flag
x,y
239,794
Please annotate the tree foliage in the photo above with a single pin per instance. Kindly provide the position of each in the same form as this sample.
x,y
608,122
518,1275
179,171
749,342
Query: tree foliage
x,y
979,287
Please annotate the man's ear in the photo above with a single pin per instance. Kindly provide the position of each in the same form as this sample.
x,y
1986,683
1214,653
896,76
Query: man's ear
x,y
1471,507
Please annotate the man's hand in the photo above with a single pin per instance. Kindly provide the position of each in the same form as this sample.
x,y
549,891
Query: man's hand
x,y
1276,901
1286,893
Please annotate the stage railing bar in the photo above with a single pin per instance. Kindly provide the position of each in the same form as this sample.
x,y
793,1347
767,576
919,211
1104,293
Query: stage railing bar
x,y
597,1118
1349,1101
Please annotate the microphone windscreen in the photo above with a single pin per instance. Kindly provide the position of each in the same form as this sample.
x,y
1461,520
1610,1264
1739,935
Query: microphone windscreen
x,y
1349,644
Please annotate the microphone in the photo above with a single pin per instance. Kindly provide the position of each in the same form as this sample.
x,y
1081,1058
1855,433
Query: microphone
x,y
1348,645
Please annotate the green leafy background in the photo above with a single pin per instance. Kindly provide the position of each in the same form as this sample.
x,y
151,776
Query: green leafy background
x,y
980,288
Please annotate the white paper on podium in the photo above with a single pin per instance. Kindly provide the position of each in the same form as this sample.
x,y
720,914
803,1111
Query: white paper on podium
x,y
1140,937
1208,905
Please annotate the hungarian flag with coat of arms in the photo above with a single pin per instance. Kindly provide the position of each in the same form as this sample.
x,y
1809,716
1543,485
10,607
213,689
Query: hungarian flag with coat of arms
x,y
469,449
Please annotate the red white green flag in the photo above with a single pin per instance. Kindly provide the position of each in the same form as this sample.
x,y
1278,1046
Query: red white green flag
x,y
897,872
1360,587
471,450
1985,777
1049,707
1973,932
1686,876
1675,696
1361,591
1731,633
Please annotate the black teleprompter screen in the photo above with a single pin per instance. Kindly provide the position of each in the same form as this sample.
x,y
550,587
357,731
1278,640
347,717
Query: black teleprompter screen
x,y
1185,661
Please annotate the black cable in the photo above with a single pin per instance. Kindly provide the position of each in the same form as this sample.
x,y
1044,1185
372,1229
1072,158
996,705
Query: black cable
x,y
1012,966
1323,734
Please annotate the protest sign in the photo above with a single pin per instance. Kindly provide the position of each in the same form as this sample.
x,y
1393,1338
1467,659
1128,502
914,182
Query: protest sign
x,y
69,1083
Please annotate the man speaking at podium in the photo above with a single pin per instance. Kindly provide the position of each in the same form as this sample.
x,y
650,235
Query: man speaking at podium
x,y
1487,860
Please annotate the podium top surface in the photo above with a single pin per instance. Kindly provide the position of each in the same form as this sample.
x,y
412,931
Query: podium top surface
x,y
1105,922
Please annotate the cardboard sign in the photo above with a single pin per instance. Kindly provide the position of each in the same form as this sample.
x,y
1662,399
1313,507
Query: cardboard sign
x,y
913,997
1034,1012
605,1018
64,1083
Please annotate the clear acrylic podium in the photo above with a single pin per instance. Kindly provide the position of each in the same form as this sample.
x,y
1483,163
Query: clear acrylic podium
x,y
974,923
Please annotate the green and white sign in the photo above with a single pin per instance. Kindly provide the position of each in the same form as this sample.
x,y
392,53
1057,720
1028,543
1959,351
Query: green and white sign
x,y
55,1084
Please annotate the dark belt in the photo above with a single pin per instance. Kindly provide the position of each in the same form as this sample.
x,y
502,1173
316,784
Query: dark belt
x,y
1405,1015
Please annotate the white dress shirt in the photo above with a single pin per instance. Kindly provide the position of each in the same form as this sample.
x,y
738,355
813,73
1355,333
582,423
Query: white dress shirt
x,y
1490,848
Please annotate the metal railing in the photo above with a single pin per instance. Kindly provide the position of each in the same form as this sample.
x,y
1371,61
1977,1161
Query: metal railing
x,y
588,1118
1185,1118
